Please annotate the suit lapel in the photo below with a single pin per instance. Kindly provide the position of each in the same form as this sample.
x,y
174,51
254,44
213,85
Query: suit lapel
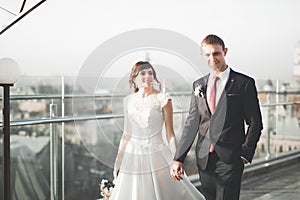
x,y
228,86
230,82
204,82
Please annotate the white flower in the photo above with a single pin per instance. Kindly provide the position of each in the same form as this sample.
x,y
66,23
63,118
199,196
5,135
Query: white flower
x,y
103,181
199,91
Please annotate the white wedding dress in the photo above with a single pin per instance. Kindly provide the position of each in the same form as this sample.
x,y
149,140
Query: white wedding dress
x,y
145,164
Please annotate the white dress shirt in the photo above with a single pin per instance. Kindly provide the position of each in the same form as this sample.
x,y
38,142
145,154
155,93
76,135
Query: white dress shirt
x,y
223,78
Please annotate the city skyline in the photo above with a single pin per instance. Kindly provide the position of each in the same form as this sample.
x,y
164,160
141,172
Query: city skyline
x,y
58,37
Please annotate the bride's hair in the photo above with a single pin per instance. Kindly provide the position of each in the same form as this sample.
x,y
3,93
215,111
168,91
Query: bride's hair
x,y
139,66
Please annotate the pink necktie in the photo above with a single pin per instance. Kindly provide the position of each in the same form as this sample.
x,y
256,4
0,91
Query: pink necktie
x,y
212,99
212,103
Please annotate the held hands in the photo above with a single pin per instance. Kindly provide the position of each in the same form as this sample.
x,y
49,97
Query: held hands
x,y
177,170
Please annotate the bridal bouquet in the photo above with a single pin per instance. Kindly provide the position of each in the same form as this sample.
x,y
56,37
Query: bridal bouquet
x,y
106,188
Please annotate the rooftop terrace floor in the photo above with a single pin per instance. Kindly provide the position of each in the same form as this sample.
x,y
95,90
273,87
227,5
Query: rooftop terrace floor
x,y
278,184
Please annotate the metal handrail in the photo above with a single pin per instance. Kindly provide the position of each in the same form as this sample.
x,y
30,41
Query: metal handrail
x,y
287,103
70,119
59,96
107,95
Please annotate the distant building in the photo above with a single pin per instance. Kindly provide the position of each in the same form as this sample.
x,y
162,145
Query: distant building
x,y
33,106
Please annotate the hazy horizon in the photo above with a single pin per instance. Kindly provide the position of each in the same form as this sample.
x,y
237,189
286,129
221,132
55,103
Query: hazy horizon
x,y
58,37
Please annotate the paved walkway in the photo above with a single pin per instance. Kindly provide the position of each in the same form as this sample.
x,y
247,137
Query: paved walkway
x,y
279,184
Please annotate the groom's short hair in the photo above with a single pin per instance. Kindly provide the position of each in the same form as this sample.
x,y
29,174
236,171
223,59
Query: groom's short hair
x,y
213,39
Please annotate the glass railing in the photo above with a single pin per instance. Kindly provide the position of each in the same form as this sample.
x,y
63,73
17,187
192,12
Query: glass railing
x,y
64,143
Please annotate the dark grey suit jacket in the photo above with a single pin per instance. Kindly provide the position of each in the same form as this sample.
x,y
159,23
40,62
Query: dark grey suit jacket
x,y
225,129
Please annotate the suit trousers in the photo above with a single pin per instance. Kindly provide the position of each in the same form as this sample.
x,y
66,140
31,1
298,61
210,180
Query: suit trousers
x,y
220,180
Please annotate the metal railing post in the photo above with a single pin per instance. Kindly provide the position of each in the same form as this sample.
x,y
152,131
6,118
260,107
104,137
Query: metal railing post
x,y
53,154
268,156
277,107
6,141
62,138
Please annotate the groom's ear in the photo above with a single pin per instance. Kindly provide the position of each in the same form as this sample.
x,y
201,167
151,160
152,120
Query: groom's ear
x,y
225,51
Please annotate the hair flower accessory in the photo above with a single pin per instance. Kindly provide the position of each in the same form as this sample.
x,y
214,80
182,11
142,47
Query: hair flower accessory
x,y
199,91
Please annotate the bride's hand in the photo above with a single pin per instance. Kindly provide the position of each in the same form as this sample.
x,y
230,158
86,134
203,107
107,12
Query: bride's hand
x,y
177,171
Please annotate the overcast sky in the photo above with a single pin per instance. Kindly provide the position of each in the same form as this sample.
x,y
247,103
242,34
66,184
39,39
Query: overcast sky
x,y
57,37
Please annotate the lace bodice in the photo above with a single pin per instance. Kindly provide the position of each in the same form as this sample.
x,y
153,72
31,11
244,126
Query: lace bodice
x,y
145,113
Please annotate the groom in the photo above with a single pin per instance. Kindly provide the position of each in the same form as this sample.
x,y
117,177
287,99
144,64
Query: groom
x,y
223,102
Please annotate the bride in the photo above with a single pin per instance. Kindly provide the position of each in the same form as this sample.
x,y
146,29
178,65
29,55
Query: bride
x,y
142,166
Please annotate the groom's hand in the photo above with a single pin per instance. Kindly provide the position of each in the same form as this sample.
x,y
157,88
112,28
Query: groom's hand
x,y
177,170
